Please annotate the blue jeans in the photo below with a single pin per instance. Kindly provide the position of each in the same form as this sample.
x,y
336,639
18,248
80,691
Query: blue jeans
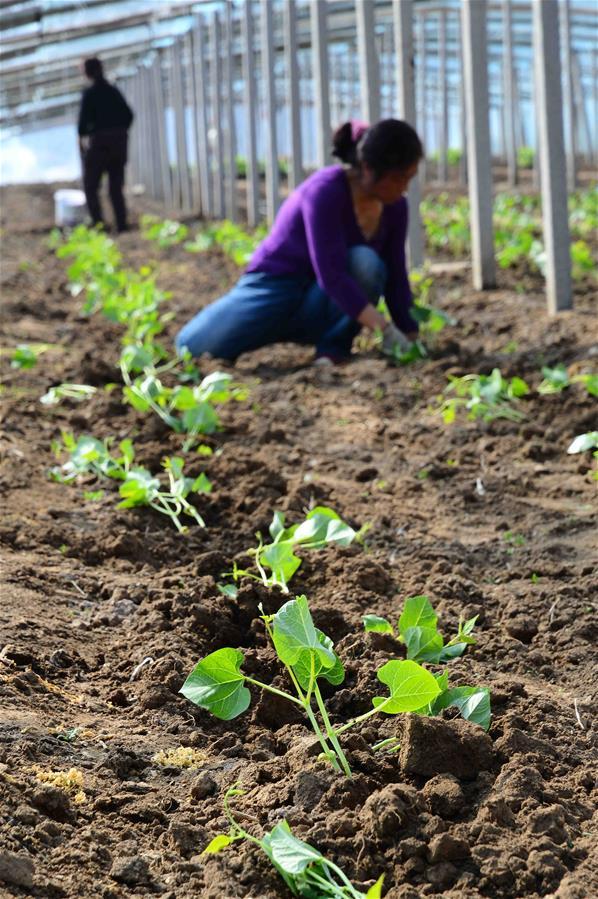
x,y
262,309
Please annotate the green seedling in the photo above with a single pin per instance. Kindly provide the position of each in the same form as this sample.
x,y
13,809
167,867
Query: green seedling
x,y
139,487
233,240
75,392
514,539
414,353
218,684
165,233
321,527
304,869
583,443
557,379
417,628
483,396
186,409
24,357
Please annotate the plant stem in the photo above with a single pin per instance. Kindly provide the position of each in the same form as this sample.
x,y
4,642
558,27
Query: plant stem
x,y
364,717
270,689
330,732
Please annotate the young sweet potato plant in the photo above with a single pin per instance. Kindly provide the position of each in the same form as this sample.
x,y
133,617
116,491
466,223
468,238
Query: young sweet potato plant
x,y
218,684
139,487
482,396
321,527
418,629
303,868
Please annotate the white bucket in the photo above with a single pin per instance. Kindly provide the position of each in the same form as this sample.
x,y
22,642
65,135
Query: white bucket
x,y
69,207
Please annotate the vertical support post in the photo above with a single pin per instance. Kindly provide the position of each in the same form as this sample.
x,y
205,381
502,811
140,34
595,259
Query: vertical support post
x,y
268,54
402,11
183,179
569,105
199,71
547,74
422,46
250,115
166,180
475,73
218,168
582,112
290,46
231,140
194,109
442,74
320,79
509,93
462,110
369,74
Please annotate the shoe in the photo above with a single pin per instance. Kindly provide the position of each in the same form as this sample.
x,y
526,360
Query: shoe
x,y
327,359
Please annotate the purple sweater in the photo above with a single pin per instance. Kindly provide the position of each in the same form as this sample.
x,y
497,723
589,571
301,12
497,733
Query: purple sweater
x,y
315,227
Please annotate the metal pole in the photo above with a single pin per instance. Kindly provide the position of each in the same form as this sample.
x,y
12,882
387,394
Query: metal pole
x,y
509,94
230,142
369,75
569,105
462,111
268,52
290,45
475,73
218,168
320,79
250,115
194,108
547,74
422,86
402,11
181,132
442,74
166,179
200,79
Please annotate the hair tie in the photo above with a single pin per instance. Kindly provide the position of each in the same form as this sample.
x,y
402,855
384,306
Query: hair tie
x,y
358,129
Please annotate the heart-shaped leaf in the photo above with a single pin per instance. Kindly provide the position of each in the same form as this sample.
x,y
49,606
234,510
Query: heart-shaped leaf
x,y
417,612
295,635
281,560
303,667
377,625
411,687
288,852
473,704
423,643
217,684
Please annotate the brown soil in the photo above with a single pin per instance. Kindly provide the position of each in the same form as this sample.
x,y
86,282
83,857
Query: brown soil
x,y
90,591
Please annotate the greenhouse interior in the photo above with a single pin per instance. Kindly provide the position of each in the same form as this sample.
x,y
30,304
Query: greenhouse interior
x,y
299,448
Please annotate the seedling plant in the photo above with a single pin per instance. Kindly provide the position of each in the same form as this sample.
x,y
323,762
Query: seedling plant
x,y
483,396
556,379
218,685
165,233
75,392
303,868
276,562
139,487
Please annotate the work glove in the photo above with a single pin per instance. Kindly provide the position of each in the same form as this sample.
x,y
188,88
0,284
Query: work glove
x,y
394,341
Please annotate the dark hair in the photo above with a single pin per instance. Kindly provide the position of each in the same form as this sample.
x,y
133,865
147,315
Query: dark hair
x,y
386,146
93,68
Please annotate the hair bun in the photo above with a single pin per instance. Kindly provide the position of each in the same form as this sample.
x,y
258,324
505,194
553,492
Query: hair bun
x,y
343,146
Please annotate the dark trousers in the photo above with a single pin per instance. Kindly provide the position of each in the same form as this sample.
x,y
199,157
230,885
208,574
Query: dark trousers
x,y
107,152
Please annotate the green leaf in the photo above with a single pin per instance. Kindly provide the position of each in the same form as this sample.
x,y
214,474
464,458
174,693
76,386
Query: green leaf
x,y
201,484
302,668
321,526
375,891
410,685
451,651
230,590
217,684
277,525
473,704
287,851
23,357
377,625
294,635
201,419
217,844
282,561
417,612
584,442
138,489
423,643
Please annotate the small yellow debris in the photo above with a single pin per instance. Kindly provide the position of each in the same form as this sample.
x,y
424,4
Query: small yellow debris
x,y
70,781
180,757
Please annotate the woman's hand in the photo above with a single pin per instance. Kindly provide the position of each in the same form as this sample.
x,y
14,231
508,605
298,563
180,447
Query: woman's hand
x,y
371,318
393,338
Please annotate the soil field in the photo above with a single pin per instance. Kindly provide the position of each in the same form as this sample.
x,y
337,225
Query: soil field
x,y
90,591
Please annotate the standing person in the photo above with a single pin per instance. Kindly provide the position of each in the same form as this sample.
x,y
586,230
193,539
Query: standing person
x,y
337,245
104,120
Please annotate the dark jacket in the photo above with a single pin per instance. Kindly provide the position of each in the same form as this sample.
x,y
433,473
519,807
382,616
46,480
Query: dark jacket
x,y
103,108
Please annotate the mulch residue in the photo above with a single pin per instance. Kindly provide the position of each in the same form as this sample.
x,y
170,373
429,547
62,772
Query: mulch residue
x,y
90,591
